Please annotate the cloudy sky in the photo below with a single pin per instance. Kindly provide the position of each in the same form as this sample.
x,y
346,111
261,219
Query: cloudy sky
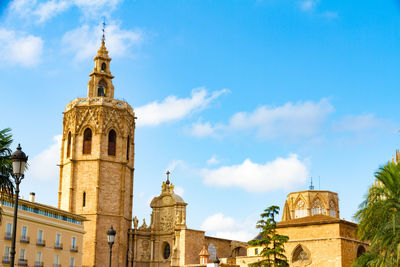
x,y
244,101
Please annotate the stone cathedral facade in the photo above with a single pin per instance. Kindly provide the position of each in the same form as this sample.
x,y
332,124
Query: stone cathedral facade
x,y
97,164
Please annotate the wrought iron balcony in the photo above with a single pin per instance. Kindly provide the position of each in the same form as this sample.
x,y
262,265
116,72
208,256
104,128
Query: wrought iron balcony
x,y
74,248
8,236
22,262
58,246
6,259
24,239
38,264
41,242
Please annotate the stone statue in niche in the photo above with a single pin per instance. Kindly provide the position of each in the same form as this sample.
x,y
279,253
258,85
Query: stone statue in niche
x,y
183,221
178,218
145,250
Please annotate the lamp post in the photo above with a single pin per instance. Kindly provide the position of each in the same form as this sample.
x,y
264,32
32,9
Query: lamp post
x,y
110,237
19,160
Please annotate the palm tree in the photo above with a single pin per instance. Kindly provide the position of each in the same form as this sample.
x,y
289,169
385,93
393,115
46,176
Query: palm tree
x,y
379,219
6,184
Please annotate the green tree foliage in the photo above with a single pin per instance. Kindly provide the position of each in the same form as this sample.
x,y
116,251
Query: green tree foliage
x,y
6,184
379,219
272,243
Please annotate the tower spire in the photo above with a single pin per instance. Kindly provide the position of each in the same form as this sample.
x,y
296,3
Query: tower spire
x,y
168,173
103,39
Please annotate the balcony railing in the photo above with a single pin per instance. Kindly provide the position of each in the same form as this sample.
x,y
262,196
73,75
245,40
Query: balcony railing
x,y
24,239
58,246
22,262
8,236
6,259
41,242
74,248
38,264
56,265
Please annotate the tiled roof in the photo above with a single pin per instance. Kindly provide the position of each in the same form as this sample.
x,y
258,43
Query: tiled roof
x,y
312,220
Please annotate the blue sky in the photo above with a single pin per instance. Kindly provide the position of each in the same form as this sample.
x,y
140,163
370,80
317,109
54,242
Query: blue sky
x,y
243,100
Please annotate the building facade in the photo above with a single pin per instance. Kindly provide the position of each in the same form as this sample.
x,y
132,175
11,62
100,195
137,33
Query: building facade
x,y
46,236
168,242
97,164
317,236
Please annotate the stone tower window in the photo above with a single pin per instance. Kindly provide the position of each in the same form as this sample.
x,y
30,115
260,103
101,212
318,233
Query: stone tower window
x,y
317,207
103,67
166,250
112,136
300,255
300,209
332,209
87,141
84,199
127,148
101,88
69,145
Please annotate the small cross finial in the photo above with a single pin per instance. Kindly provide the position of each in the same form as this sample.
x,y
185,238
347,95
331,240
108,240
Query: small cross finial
x,y
168,173
104,29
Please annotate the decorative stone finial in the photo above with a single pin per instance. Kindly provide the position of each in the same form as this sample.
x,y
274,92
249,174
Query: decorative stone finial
x,y
135,222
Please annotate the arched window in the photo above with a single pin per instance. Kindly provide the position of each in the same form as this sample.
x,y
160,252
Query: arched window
x,y
69,145
300,255
87,141
127,148
84,199
360,251
332,209
166,251
112,138
103,67
101,88
300,209
317,207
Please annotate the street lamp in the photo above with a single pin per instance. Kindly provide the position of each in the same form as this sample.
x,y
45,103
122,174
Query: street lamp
x,y
19,160
111,236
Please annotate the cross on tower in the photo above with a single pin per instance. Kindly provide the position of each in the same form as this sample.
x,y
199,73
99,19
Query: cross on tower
x,y
168,173
104,28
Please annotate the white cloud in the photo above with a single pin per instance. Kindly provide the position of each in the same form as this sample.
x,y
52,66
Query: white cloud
x,y
45,10
174,164
173,108
302,119
357,123
203,129
222,226
19,48
282,173
49,9
44,165
83,41
179,190
213,160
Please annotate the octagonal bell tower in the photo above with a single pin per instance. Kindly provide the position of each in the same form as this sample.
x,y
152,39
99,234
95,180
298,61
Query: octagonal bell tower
x,y
97,163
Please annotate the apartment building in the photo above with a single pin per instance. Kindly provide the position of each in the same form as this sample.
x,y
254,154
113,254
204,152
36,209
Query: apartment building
x,y
46,236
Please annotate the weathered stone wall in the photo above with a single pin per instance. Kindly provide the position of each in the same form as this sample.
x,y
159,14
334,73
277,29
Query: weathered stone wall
x,y
106,180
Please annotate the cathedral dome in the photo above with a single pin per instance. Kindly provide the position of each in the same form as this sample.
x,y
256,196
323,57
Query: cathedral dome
x,y
178,198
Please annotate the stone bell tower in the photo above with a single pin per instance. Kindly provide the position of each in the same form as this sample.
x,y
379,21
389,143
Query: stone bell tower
x,y
97,163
